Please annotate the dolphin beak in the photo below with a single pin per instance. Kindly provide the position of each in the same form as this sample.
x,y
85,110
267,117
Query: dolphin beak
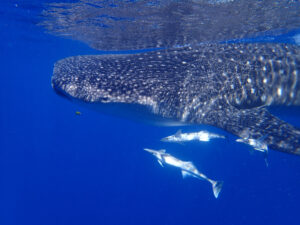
x,y
165,139
149,150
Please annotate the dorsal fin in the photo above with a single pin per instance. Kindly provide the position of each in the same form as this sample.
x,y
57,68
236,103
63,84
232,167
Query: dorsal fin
x,y
162,150
245,133
178,133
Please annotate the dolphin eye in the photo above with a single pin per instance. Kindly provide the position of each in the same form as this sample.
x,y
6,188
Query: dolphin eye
x,y
104,99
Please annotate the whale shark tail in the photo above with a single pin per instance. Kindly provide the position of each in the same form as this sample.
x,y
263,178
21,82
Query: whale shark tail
x,y
217,187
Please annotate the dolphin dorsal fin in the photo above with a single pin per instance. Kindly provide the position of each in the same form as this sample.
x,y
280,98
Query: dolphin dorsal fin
x,y
162,151
178,133
245,134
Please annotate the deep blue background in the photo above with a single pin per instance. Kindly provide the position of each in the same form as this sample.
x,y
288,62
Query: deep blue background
x,y
60,168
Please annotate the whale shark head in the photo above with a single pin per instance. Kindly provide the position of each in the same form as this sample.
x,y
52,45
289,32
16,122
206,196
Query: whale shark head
x,y
124,79
99,83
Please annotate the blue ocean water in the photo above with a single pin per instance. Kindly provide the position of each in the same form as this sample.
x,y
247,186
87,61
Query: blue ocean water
x,y
60,168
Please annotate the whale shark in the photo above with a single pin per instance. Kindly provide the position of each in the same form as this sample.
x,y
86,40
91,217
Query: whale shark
x,y
229,86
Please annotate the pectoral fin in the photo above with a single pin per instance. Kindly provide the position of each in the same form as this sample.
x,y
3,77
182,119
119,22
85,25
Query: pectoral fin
x,y
258,123
160,163
185,174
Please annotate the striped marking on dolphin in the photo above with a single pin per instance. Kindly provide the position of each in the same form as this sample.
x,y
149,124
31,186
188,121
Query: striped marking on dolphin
x,y
224,85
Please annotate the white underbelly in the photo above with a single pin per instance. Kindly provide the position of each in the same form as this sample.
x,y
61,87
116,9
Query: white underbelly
x,y
173,161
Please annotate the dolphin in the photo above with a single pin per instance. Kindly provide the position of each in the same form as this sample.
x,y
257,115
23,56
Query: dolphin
x,y
187,168
258,145
198,136
224,85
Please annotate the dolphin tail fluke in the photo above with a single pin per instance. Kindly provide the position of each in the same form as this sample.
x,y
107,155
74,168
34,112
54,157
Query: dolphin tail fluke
x,y
217,187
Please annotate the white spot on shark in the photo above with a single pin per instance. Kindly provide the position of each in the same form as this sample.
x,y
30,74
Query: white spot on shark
x,y
279,91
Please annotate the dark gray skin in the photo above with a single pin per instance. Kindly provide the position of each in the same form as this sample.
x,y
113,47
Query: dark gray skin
x,y
223,85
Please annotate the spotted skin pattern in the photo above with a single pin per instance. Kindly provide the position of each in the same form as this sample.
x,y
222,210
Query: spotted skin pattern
x,y
225,85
